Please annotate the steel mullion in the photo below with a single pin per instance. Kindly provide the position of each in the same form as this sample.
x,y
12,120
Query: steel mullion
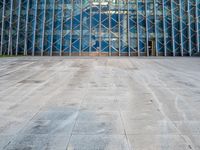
x,y
61,34
156,35
10,29
43,32
71,29
181,26
90,36
172,21
81,24
109,28
34,28
2,28
138,31
100,34
52,31
18,25
129,40
164,28
189,28
119,27
26,29
197,26
147,32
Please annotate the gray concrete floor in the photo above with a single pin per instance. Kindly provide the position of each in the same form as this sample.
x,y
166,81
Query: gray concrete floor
x,y
84,103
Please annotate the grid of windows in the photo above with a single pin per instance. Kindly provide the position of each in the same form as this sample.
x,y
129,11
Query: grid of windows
x,y
100,27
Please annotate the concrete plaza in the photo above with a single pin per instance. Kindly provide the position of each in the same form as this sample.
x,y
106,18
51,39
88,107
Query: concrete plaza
x,y
99,103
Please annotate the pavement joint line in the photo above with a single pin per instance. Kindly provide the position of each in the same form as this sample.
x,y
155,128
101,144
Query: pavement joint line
x,y
122,121
78,111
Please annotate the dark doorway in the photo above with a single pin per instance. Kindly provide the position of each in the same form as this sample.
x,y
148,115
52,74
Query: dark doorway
x,y
151,47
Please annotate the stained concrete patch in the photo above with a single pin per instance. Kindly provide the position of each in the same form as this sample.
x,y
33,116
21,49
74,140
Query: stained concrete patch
x,y
5,140
54,115
31,81
9,126
51,127
38,142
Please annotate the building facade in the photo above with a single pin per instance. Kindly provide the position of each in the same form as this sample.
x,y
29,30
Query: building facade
x,y
100,27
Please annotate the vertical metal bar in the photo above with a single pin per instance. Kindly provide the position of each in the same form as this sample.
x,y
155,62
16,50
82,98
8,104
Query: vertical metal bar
x,y
138,31
90,43
172,17
18,25
34,28
128,17
109,28
100,33
71,29
81,24
26,29
197,25
52,31
61,34
119,27
147,32
9,52
181,26
189,28
164,26
2,27
43,30
156,34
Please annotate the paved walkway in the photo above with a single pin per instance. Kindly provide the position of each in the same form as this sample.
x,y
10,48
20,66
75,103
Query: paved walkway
x,y
107,103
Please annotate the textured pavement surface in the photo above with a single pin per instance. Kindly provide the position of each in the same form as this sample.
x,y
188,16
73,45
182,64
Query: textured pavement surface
x,y
107,103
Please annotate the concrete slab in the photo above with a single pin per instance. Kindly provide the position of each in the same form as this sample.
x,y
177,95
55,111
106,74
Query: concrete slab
x,y
98,142
99,103
38,142
161,142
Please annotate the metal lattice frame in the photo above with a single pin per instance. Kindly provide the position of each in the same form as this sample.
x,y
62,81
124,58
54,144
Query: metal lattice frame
x,y
2,10
198,24
58,27
104,29
6,24
39,32
132,27
141,28
100,27
193,35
